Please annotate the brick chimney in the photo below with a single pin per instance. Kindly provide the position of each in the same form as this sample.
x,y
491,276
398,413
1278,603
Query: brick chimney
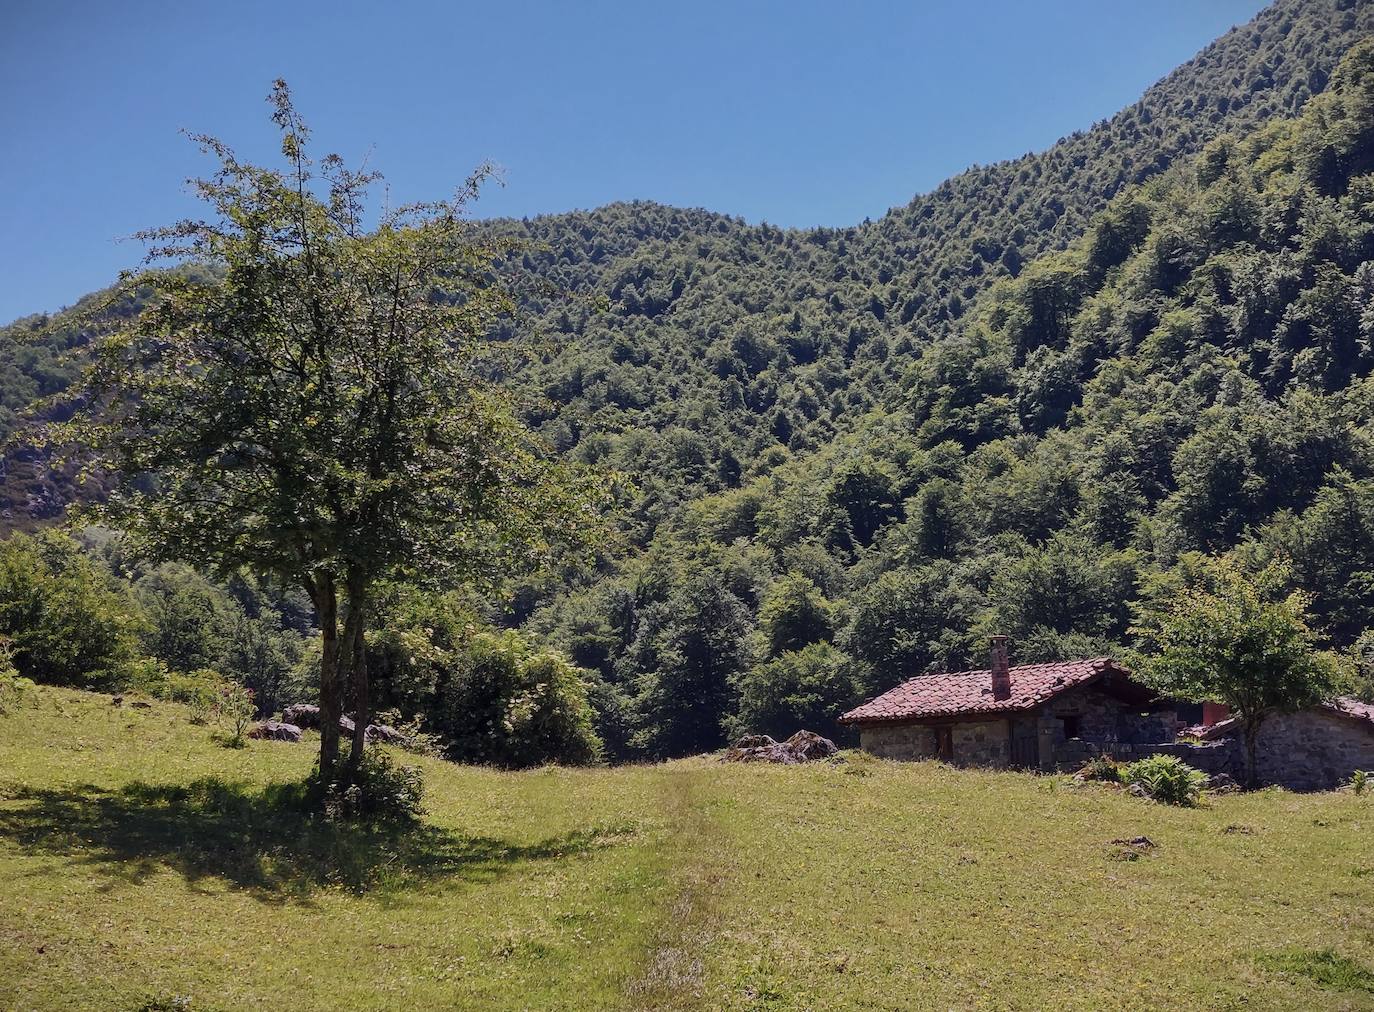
x,y
1001,669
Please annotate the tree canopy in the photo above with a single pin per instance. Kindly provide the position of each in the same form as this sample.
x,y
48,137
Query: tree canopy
x,y
305,394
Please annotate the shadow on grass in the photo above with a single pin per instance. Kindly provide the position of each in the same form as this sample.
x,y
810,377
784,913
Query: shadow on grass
x,y
268,842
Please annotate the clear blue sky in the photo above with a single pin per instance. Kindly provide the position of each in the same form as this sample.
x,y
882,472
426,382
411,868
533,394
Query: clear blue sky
x,y
799,113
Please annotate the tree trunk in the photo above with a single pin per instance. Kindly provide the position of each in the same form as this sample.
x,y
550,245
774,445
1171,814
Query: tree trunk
x,y
355,646
1252,729
331,686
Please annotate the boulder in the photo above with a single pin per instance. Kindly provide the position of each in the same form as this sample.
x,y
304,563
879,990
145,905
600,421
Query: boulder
x,y
302,715
808,746
804,746
386,733
1221,783
275,730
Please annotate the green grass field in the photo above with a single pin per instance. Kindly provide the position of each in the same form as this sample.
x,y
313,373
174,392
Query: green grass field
x,y
140,860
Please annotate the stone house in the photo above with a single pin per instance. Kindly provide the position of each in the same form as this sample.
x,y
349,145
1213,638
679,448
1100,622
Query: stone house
x,y
1035,716
1057,715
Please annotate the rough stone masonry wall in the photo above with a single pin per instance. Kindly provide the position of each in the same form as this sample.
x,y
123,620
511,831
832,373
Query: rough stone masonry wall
x,y
1210,757
981,743
1314,750
899,741
975,743
1103,718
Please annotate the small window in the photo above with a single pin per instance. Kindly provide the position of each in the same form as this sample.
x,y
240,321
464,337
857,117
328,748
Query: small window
x,y
1070,727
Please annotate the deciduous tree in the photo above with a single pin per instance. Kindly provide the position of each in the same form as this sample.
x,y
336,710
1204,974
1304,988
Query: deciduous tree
x,y
308,394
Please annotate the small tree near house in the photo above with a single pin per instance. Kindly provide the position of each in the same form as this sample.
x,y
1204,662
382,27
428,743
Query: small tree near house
x,y
1238,638
308,395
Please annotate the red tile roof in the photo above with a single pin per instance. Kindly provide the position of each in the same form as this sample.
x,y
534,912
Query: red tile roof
x,y
1352,707
970,692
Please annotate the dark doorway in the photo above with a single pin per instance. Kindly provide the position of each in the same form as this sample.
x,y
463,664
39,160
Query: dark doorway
x,y
944,743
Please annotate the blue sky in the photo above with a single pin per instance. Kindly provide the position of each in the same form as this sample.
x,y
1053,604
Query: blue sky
x,y
798,113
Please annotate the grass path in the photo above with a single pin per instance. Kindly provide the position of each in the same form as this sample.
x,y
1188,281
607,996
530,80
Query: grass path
x,y
139,860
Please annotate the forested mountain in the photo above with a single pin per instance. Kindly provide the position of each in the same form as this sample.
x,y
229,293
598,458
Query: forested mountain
x,y
724,341
1013,405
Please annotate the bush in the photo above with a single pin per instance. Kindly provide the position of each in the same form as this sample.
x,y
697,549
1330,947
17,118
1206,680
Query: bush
x,y
12,685
382,790
803,689
200,691
509,705
1359,781
65,618
1166,779
1101,767
236,707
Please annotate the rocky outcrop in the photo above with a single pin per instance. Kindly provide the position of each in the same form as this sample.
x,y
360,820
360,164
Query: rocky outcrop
x,y
804,746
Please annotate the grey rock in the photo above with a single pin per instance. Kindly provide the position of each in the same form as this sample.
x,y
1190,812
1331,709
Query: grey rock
x,y
302,715
804,746
275,730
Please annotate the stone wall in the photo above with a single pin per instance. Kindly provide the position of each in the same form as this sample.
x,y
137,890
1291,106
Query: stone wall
x,y
1103,718
975,743
1211,756
1314,750
981,743
899,741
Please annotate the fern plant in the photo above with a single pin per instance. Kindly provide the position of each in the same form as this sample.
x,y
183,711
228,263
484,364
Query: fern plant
x,y
1165,778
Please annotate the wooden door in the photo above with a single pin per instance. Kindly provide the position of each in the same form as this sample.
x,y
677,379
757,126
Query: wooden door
x,y
944,743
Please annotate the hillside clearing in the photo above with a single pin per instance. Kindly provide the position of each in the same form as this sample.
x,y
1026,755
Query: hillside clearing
x,y
140,860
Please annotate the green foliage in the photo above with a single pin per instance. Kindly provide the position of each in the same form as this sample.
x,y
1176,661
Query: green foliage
x,y
794,614
200,691
67,622
308,395
805,689
378,790
1359,781
691,648
506,704
1101,767
235,706
185,618
1232,637
13,687
1166,779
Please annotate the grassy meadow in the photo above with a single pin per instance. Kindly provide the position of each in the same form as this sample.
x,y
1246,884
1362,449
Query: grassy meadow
x,y
141,861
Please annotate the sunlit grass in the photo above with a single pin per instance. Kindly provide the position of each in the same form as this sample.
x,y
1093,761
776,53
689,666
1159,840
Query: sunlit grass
x,y
139,860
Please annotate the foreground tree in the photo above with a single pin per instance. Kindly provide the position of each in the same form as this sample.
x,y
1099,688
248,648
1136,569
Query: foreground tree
x,y
307,395
1235,638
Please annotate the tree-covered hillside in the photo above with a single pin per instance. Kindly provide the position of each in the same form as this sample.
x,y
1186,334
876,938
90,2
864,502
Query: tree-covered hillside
x,y
724,341
1014,405
1189,376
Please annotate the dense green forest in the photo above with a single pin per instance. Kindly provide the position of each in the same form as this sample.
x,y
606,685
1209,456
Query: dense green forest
x,y
1015,405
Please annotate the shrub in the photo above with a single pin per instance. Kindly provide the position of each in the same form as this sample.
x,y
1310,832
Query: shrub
x,y
1101,767
66,619
235,705
382,790
1359,781
1165,778
509,705
200,691
807,688
416,738
12,685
